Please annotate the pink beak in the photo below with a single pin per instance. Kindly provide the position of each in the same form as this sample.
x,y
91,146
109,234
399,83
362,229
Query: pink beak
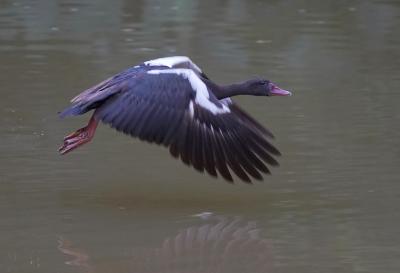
x,y
276,91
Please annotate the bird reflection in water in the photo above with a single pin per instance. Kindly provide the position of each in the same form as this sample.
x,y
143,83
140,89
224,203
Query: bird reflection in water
x,y
229,245
80,258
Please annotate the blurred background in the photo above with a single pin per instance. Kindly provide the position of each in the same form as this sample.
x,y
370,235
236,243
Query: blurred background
x,y
120,205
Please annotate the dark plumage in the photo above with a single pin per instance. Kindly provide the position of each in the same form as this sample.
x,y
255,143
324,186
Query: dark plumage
x,y
171,102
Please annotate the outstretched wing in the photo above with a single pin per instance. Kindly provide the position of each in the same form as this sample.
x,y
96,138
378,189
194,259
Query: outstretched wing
x,y
92,97
174,108
109,86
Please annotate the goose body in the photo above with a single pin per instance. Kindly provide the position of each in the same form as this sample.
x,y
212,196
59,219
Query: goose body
x,y
171,102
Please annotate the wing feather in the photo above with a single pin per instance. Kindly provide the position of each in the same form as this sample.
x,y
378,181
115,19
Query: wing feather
x,y
156,109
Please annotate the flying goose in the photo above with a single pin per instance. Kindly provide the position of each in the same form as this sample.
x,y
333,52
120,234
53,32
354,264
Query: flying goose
x,y
171,102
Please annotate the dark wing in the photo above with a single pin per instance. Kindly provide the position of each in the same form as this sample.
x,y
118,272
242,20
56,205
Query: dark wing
x,y
246,118
96,95
107,87
215,142
163,109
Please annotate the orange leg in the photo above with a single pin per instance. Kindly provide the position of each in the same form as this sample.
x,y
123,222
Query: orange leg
x,y
79,137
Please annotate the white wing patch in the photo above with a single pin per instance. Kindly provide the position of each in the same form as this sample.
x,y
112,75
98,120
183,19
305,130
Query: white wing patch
x,y
202,96
226,101
172,62
191,109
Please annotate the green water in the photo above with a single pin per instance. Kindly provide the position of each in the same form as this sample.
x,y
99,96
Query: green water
x,y
120,205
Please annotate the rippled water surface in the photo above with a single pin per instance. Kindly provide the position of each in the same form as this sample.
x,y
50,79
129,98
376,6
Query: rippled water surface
x,y
120,205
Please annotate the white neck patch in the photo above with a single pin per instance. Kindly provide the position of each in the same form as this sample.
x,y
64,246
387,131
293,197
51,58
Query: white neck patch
x,y
202,96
